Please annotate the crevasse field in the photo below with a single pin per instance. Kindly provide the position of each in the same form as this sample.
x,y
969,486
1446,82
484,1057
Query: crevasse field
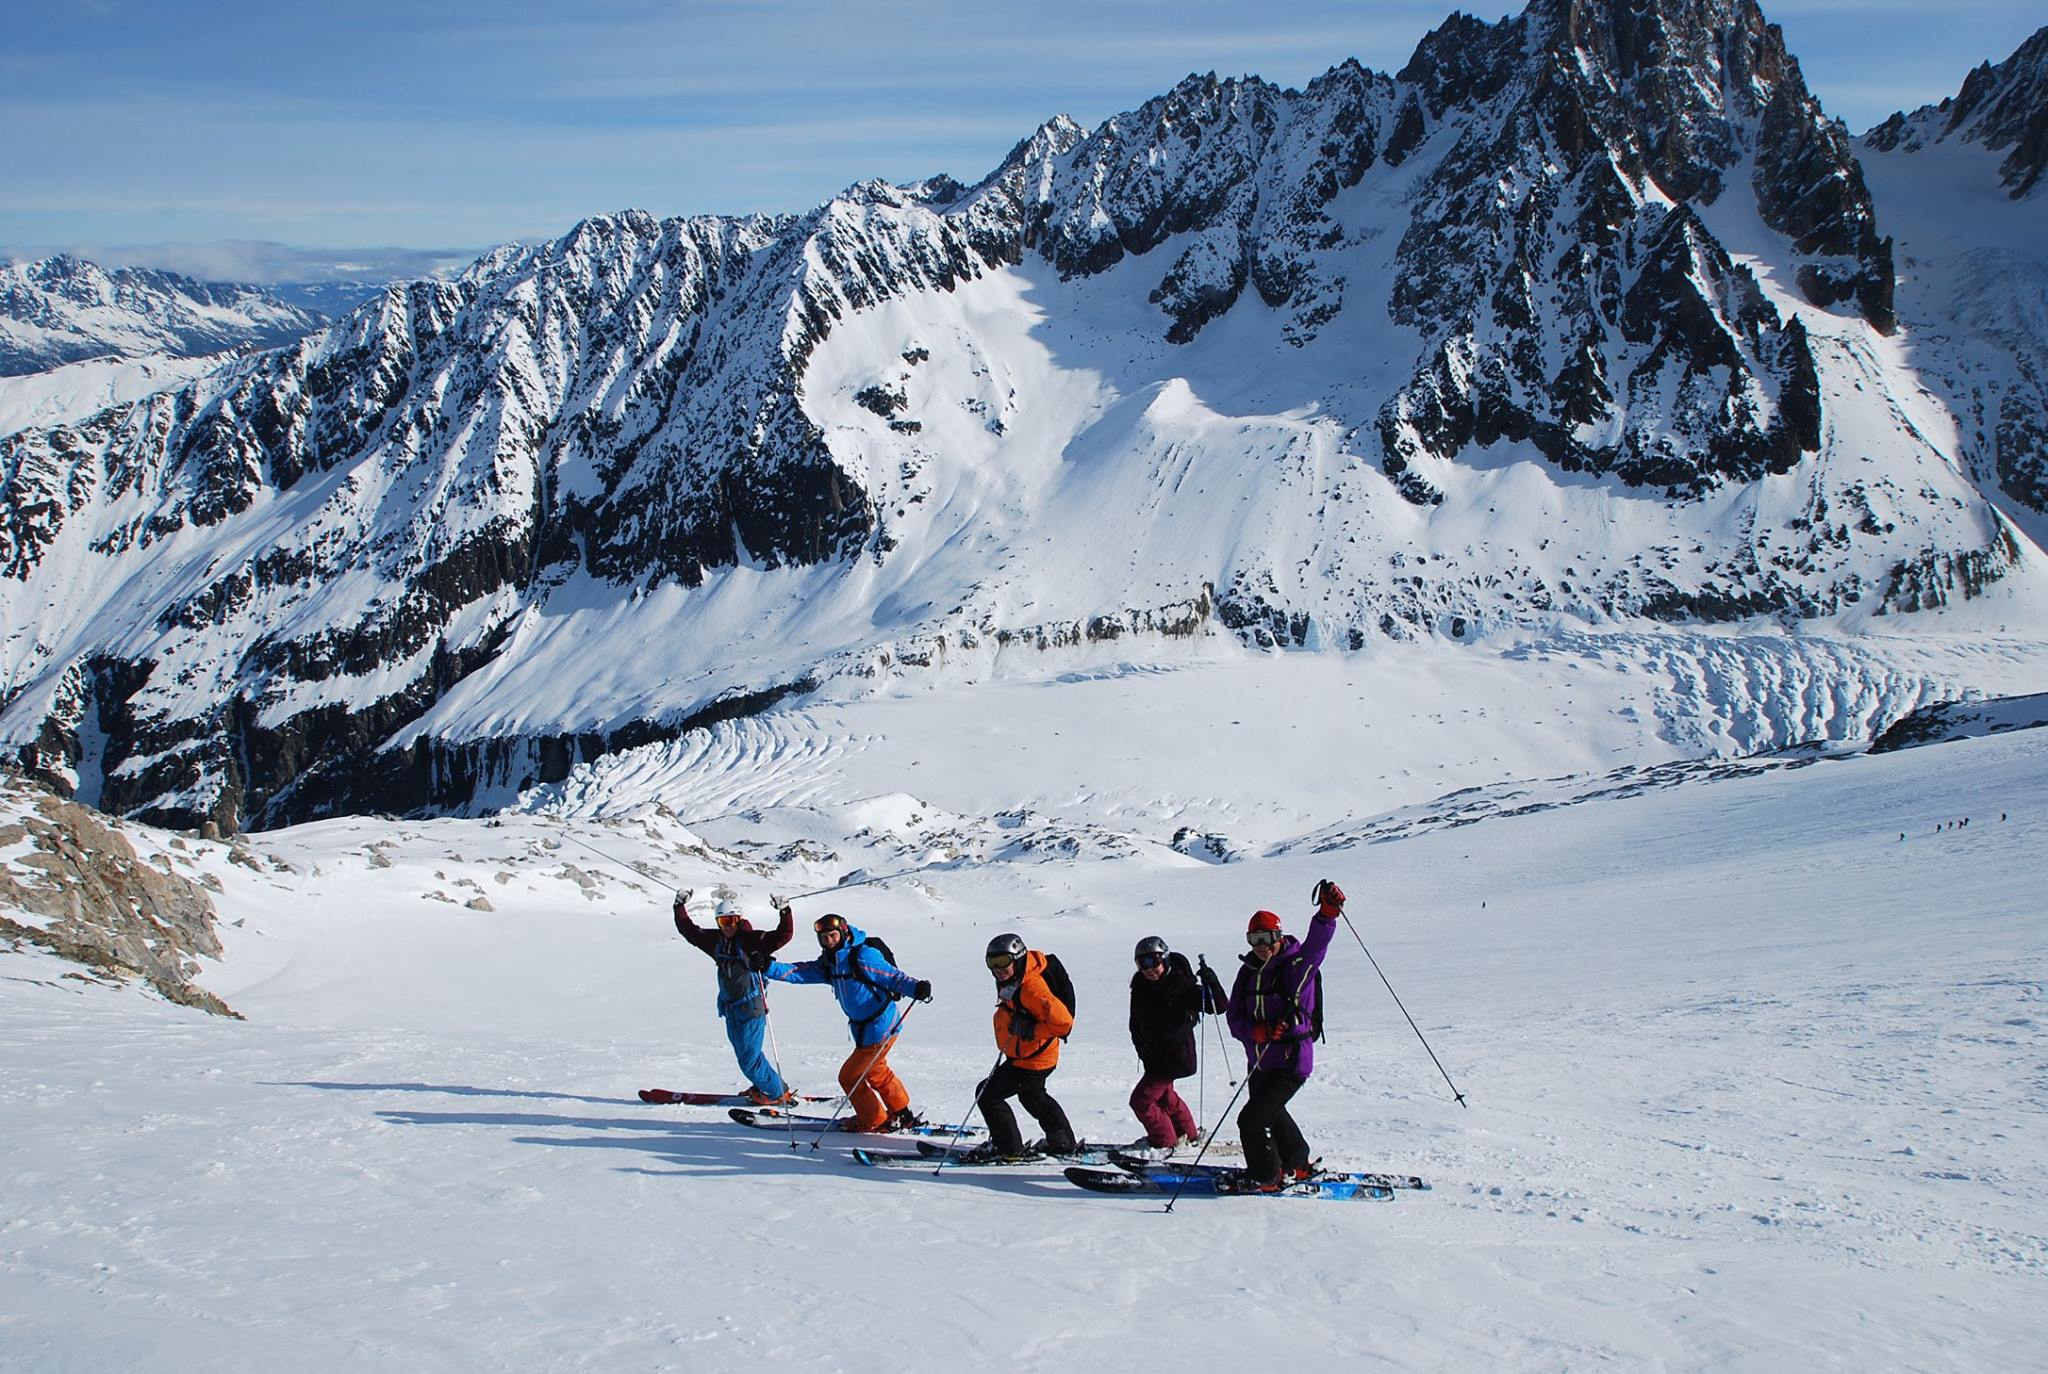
x,y
1754,1082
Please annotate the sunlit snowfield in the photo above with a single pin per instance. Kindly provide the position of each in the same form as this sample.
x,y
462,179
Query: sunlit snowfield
x,y
1754,1082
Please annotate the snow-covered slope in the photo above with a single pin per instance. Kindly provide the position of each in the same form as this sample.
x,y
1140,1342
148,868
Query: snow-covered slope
x,y
1959,185
1752,1063
77,391
1965,720
1582,318
65,310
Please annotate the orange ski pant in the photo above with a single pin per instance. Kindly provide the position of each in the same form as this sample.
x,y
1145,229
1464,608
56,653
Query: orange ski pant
x,y
874,1087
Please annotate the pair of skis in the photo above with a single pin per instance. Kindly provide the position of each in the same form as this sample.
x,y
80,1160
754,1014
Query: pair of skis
x,y
1135,1174
1131,1173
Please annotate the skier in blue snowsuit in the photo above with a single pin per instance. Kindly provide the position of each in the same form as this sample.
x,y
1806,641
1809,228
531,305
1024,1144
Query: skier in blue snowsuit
x,y
743,955
867,986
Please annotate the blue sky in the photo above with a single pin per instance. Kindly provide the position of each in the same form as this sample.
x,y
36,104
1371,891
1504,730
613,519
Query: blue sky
x,y
458,124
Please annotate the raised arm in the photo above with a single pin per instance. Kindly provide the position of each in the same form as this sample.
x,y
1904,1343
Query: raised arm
x,y
1323,928
784,928
703,939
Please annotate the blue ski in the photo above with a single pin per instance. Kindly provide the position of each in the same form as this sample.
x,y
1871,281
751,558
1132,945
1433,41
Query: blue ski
x,y
1204,1184
1138,1164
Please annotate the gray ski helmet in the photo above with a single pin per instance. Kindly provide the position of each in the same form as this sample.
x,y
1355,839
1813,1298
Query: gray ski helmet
x,y
1004,952
1151,950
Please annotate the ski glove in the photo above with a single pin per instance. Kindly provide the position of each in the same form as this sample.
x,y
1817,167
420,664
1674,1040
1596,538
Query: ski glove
x,y
1329,899
759,960
1023,1025
923,991
1215,1001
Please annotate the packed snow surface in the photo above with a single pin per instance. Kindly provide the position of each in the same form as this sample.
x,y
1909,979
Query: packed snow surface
x,y
1754,1056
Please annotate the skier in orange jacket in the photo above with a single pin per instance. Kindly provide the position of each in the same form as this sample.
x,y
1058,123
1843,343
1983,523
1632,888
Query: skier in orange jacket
x,y
1029,1024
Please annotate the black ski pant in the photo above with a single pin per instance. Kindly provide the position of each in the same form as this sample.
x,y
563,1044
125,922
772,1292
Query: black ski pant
x,y
1271,1139
1028,1087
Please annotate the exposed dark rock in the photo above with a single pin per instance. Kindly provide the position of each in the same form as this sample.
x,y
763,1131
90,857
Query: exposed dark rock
x,y
2004,107
626,405
1946,721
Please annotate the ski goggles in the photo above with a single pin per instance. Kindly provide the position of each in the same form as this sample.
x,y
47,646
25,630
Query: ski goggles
x,y
1259,939
1151,960
999,963
727,918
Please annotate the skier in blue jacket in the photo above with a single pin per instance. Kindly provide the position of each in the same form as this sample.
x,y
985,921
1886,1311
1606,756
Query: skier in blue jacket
x,y
741,952
867,986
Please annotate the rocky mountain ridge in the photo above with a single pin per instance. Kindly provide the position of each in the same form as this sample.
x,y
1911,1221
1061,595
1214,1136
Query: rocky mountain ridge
x,y
2002,107
1578,314
64,309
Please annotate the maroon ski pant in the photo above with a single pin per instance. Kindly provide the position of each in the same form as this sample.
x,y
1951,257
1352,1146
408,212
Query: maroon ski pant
x,y
1166,1119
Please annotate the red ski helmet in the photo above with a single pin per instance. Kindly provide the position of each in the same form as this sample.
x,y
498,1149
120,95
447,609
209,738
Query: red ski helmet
x,y
1262,920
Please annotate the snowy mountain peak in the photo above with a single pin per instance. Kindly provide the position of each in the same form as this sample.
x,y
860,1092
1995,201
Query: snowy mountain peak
x,y
1583,314
64,309
2004,108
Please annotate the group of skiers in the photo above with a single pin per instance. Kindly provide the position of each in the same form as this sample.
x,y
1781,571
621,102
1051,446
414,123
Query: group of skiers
x,y
1273,1008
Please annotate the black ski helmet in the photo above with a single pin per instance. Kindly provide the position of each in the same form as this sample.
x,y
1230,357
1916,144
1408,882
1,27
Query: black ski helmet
x,y
830,921
1005,952
1151,948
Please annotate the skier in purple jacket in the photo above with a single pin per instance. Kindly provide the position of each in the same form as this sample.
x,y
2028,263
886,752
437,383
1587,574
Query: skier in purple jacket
x,y
1273,1012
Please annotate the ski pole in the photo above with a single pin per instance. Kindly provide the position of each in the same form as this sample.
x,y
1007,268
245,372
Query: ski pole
x,y
775,1050
954,1143
873,1059
1189,1171
863,882
635,870
1223,1044
1404,1010
1222,1041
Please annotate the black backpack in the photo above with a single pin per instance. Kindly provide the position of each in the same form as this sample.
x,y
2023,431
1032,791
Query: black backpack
x,y
1059,984
1315,1018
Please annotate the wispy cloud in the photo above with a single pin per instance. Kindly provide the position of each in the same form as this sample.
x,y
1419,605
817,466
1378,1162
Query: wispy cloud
x,y
473,122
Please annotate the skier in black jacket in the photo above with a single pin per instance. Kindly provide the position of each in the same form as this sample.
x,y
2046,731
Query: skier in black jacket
x,y
1167,1003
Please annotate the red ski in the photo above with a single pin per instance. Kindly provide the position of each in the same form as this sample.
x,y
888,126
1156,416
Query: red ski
x,y
664,1097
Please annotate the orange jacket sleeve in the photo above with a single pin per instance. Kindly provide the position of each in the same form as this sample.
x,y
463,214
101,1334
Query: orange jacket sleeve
x,y
1040,1049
